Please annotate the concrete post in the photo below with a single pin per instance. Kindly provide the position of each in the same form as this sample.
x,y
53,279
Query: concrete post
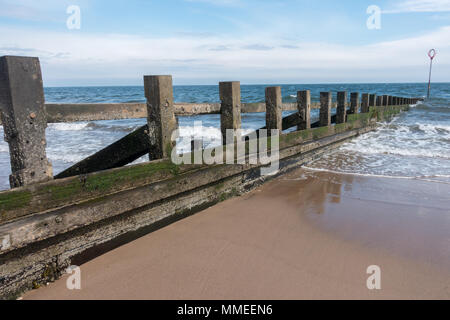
x,y
304,109
196,145
24,119
341,109
230,106
274,108
160,115
385,100
354,102
365,103
325,109
372,100
379,101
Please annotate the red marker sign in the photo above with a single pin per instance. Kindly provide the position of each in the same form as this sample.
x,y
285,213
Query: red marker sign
x,y
432,54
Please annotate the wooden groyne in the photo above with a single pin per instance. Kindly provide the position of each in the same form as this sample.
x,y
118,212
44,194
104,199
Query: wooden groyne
x,y
68,112
48,223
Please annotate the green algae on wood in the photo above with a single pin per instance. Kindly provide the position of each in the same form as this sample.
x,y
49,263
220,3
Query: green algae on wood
x,y
11,200
320,132
81,188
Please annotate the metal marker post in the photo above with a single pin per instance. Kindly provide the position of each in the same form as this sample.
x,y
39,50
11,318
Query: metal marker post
x,y
431,54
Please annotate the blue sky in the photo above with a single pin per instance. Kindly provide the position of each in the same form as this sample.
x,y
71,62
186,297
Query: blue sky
x,y
206,41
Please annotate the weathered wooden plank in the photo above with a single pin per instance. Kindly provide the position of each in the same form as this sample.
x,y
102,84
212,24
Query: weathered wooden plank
x,y
116,111
124,151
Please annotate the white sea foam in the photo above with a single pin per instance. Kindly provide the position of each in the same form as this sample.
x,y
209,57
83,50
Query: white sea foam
x,y
416,104
200,132
211,137
431,178
356,173
434,128
65,157
377,147
411,140
74,126
415,145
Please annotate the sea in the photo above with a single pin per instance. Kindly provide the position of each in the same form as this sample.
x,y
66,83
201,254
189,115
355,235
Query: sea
x,y
414,145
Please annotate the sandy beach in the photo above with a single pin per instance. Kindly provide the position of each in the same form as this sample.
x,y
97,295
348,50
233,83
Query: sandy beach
x,y
304,235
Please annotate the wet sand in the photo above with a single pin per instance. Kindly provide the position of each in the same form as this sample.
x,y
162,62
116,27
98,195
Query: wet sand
x,y
304,235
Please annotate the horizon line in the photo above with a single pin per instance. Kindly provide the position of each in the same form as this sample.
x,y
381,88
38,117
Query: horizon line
x,y
247,84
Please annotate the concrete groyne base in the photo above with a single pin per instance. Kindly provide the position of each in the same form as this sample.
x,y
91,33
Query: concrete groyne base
x,y
304,235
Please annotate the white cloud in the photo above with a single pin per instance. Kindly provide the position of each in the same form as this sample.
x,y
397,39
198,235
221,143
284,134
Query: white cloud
x,y
420,6
100,59
32,10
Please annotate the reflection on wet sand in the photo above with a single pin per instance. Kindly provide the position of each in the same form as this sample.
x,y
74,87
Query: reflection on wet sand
x,y
411,217
315,190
